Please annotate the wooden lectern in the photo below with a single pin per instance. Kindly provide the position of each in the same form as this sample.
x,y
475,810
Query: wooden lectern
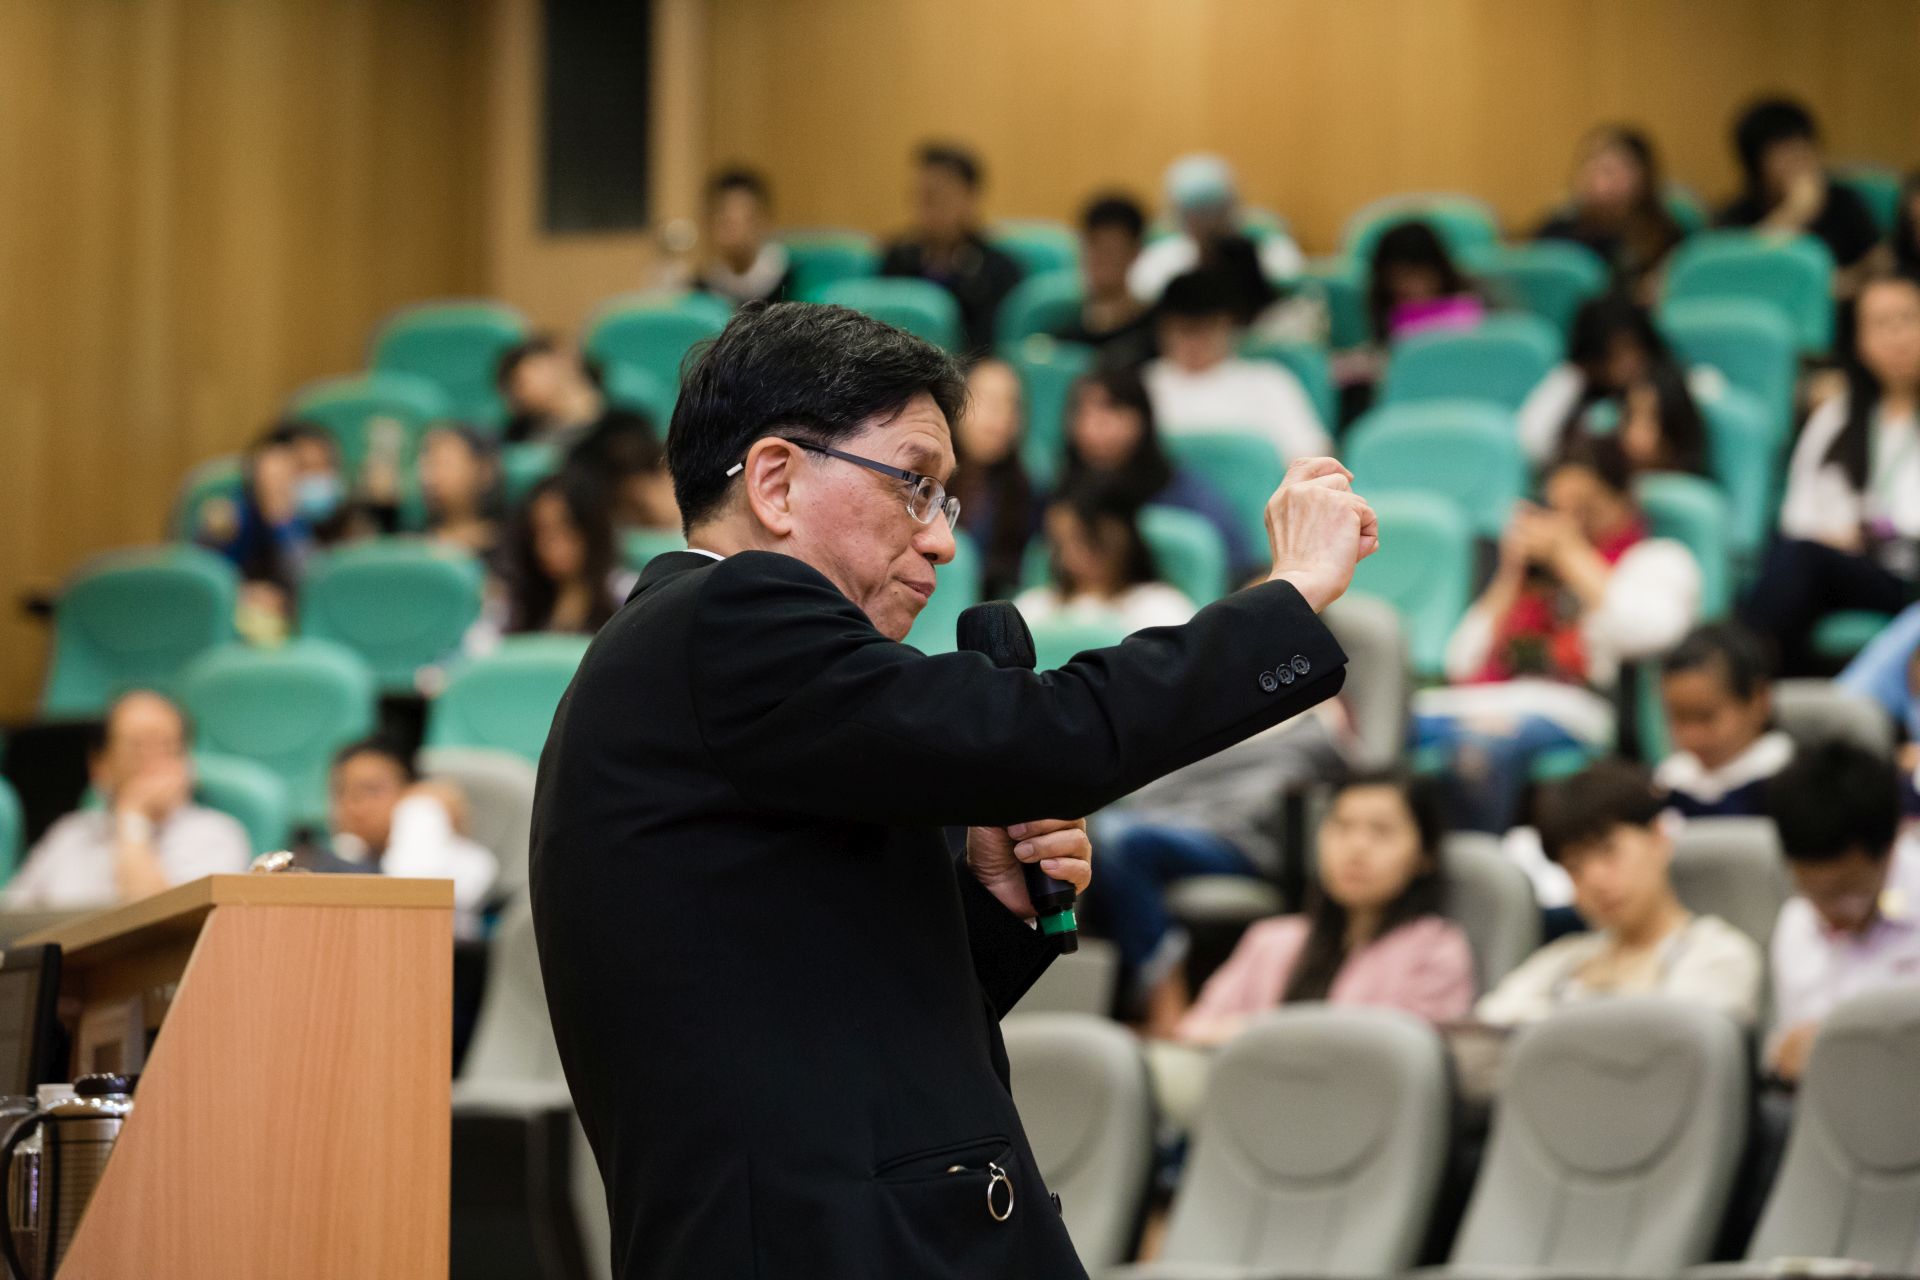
x,y
294,1111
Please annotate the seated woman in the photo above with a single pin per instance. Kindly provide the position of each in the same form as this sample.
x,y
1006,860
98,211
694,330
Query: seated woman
x,y
1604,827
1112,438
460,483
1619,375
1850,525
563,574
1719,705
1617,208
996,497
1415,287
1103,571
1580,588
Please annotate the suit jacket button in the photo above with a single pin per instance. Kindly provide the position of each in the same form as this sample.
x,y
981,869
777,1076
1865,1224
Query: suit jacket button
x,y
1269,682
1286,675
1300,665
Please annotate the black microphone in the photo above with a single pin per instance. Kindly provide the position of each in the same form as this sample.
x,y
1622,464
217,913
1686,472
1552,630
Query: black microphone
x,y
997,630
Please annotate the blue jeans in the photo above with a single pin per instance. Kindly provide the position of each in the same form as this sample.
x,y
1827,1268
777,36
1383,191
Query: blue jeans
x,y
1487,773
1134,862
1881,670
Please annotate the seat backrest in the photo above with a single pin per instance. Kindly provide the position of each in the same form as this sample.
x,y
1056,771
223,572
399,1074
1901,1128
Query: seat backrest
x,y
1306,361
1549,278
1491,899
1500,360
254,795
513,1034
1743,455
654,333
1319,1146
1047,369
499,790
1750,341
1081,1086
1080,982
1733,868
400,603
288,709
1424,569
1849,1185
1243,465
1465,451
1045,302
506,699
217,482
1057,642
1341,284
1188,551
368,411
639,391
1794,274
456,345
1465,223
921,307
819,257
13,828
1814,711
638,547
956,589
135,619
1039,245
1615,1142
1692,511
1379,687
1878,188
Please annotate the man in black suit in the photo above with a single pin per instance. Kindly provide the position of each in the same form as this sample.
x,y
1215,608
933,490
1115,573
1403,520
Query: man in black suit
x,y
775,986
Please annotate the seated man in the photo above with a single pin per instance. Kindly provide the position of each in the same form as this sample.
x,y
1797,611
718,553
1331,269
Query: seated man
x,y
1111,320
387,819
946,247
1855,924
746,264
148,834
1603,825
1719,704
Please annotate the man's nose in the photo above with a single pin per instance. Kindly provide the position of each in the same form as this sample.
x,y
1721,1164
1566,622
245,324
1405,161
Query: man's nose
x,y
936,540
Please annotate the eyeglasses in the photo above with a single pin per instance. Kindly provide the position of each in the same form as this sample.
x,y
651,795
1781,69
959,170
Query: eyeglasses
x,y
926,497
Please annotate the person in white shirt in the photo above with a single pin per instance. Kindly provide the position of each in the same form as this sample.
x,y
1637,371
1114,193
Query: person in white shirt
x,y
1199,385
1850,525
1204,199
1604,826
387,819
1103,570
1718,700
148,835
1854,924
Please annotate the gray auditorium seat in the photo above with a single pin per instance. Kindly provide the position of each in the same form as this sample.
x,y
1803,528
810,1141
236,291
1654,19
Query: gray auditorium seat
x,y
1379,688
1849,1186
511,1110
499,789
1223,900
1081,1085
1318,1150
1733,868
1814,711
1082,982
1492,900
1614,1145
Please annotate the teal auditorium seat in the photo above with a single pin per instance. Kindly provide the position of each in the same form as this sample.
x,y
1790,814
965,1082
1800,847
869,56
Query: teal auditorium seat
x,y
1424,569
1057,642
1047,368
457,346
1465,451
1188,551
824,256
1308,362
12,831
1045,303
135,619
1464,223
1500,360
956,587
525,465
920,307
217,480
1244,467
1341,284
400,603
638,391
653,333
251,793
1549,278
288,709
1744,458
1793,273
1878,188
1037,244
361,408
1686,209
638,546
1691,511
1748,340
506,699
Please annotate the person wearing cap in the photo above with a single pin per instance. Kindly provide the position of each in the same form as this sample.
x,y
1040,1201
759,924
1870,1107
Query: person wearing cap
x,y
1205,203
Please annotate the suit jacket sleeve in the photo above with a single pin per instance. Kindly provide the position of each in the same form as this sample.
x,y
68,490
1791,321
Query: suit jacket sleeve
x,y
808,709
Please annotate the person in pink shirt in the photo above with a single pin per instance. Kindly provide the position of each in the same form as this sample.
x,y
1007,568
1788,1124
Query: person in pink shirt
x,y
1372,932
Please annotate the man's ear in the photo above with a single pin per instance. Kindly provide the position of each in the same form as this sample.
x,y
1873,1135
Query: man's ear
x,y
769,476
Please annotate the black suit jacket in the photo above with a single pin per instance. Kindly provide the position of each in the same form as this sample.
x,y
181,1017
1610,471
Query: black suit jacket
x,y
775,992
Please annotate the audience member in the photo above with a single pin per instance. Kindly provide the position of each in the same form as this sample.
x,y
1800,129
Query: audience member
x,y
1718,699
1112,438
746,264
1604,827
1579,589
460,484
148,833
563,572
1788,190
1103,572
945,245
1611,348
1205,203
1850,525
1854,925
386,818
549,392
1618,208
1413,285
1111,320
1888,671
1198,383
996,497
624,458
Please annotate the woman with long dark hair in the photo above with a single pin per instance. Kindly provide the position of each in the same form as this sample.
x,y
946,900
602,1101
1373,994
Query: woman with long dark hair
x,y
1850,525
1617,208
1413,285
1618,367
1102,568
564,574
996,496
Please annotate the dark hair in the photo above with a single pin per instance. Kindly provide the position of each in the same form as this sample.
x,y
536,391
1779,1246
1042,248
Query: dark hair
x,y
1589,805
1412,243
102,730
533,595
1200,295
821,371
1148,471
1094,503
539,344
1325,950
750,181
1906,231
1116,210
1763,125
484,448
1835,798
1602,455
1599,321
1852,449
1682,428
1730,651
955,159
380,745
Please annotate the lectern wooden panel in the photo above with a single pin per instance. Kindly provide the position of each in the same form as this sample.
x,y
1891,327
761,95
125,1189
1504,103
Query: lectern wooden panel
x,y
293,1117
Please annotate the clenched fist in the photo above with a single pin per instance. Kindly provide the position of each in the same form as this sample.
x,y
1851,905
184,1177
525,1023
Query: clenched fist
x,y
1319,529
